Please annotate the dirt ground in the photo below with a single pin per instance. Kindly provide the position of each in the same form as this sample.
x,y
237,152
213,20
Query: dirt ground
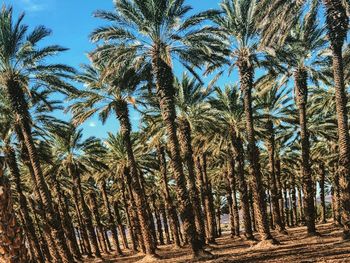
x,y
294,247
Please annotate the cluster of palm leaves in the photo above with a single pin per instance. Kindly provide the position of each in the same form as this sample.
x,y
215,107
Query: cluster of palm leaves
x,y
258,150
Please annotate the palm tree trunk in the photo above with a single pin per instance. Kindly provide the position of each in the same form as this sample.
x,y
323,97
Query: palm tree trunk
x,y
186,147
125,129
67,220
111,221
301,207
158,221
279,190
337,23
96,213
230,206
12,246
165,223
21,110
47,237
201,189
301,91
238,152
235,209
85,211
11,161
207,202
322,193
246,73
218,217
82,226
165,92
286,204
293,197
132,231
336,198
251,205
276,213
121,227
134,214
167,197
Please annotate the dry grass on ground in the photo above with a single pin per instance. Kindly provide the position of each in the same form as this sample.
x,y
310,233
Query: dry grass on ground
x,y
294,248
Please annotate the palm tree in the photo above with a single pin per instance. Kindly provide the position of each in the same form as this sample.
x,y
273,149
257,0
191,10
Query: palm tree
x,y
12,245
337,23
19,70
156,32
305,37
228,110
110,91
192,112
273,104
237,21
76,156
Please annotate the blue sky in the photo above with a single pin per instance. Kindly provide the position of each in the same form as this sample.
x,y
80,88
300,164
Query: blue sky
x,y
71,22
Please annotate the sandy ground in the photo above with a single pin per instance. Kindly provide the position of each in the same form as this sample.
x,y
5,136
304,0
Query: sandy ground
x,y
295,248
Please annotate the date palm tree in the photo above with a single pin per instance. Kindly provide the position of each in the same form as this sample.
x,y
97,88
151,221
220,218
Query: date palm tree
x,y
12,245
306,37
237,20
192,111
109,91
337,24
157,32
76,156
228,109
22,64
273,105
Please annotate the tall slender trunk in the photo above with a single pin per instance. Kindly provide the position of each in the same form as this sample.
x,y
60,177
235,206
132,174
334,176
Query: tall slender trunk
x,y
301,94
134,214
125,129
246,73
47,237
238,153
218,216
293,197
96,214
207,202
235,209
20,107
279,190
165,223
336,197
67,220
186,147
158,221
268,197
11,161
286,204
337,23
230,206
276,213
111,221
12,245
167,197
82,225
86,214
129,218
201,188
120,225
164,79
251,205
322,193
301,207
